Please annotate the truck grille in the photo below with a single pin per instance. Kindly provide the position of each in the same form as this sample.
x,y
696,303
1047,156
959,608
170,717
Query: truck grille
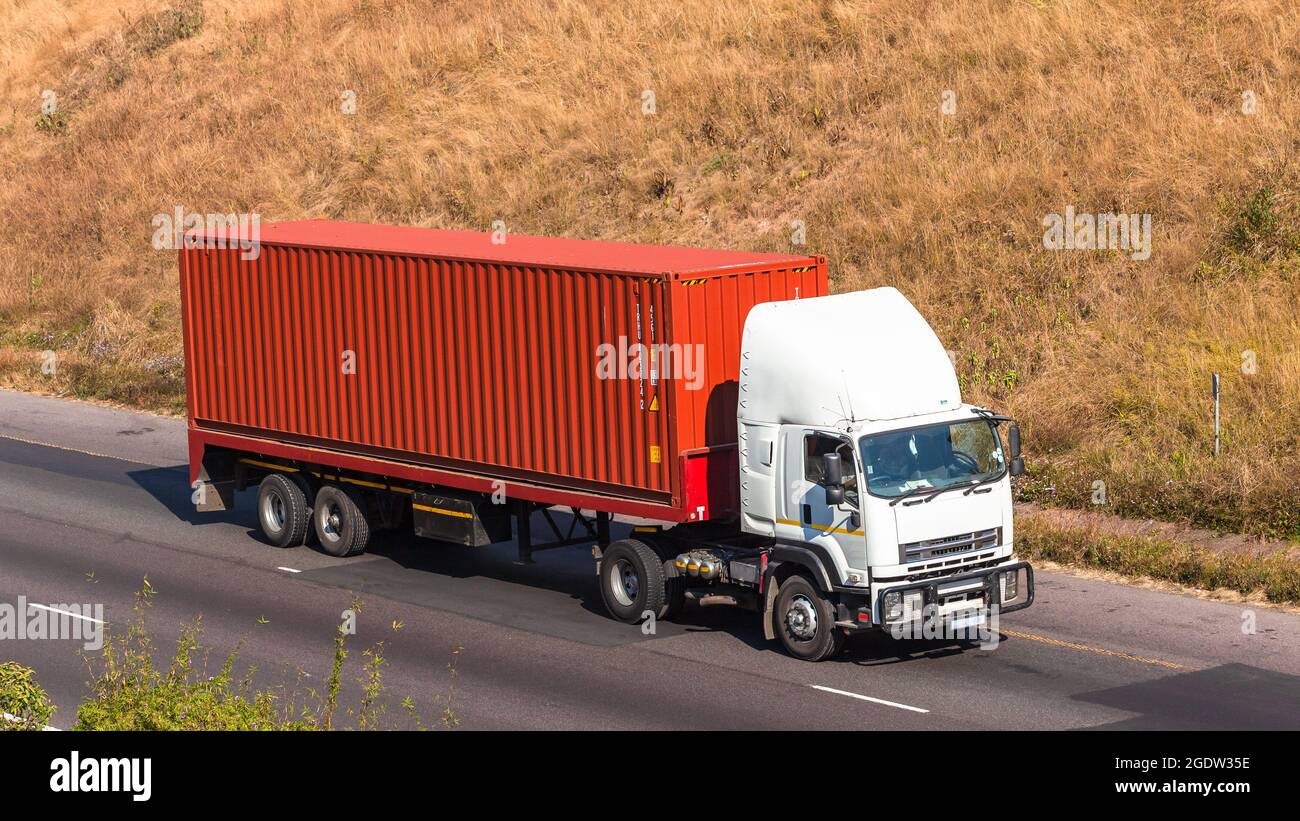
x,y
949,545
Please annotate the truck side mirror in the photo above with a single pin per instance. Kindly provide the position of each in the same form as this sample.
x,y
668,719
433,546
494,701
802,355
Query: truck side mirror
x,y
833,478
1013,440
832,470
1017,466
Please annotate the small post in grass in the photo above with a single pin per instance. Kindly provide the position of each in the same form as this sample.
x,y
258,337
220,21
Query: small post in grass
x,y
1214,389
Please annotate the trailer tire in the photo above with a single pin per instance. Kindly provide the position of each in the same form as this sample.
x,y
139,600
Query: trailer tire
x,y
804,621
632,581
340,519
308,494
282,511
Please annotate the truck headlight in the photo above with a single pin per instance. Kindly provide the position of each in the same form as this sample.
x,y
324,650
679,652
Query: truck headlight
x,y
1009,585
914,605
893,606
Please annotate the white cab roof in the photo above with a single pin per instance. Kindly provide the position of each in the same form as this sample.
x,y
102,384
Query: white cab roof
x,y
833,360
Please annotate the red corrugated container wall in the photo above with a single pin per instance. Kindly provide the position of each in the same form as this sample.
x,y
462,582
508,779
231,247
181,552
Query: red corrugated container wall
x,y
487,368
711,312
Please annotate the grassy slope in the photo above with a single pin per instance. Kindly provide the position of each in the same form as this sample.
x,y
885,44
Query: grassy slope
x,y
768,112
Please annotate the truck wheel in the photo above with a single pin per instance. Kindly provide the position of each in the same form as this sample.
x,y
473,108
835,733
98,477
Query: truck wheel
x,y
282,511
676,597
340,519
632,581
805,621
309,495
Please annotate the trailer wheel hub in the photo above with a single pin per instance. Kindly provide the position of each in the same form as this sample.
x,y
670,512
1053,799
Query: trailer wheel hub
x,y
801,618
332,522
623,582
275,512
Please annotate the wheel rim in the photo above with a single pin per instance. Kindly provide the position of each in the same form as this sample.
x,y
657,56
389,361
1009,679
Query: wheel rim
x,y
801,618
273,514
332,522
624,582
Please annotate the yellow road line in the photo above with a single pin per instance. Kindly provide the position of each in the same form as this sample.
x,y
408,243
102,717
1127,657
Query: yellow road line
x,y
1074,645
65,447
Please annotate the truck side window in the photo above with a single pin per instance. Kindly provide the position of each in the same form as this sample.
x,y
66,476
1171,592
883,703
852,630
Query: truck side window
x,y
815,446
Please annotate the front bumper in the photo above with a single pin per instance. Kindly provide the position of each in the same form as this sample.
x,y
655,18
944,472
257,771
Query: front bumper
x,y
952,597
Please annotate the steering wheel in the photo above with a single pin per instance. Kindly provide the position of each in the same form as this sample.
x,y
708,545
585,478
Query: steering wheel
x,y
966,461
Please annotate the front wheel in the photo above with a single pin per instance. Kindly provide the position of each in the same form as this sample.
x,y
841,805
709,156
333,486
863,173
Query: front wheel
x,y
804,620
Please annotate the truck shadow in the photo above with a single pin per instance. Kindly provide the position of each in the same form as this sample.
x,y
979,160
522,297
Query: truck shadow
x,y
867,649
564,570
399,562
499,587
503,590
1227,697
170,488
879,649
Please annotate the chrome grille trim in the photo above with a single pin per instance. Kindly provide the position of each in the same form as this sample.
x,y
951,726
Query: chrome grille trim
x,y
947,546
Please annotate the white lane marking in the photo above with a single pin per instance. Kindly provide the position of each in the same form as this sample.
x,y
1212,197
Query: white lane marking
x,y
288,570
65,612
868,698
15,719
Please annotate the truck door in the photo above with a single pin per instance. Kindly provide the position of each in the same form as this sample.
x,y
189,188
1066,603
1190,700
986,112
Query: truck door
x,y
805,515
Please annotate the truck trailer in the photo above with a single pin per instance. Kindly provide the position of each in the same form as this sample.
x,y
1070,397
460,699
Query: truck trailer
x,y
802,454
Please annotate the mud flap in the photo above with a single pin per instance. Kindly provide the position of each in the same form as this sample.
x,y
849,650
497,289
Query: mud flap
x,y
213,496
769,604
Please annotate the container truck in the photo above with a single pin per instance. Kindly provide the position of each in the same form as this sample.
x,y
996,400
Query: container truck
x,y
802,454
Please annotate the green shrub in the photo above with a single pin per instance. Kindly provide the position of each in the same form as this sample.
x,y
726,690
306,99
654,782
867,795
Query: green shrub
x,y
55,123
130,693
22,699
155,32
1256,225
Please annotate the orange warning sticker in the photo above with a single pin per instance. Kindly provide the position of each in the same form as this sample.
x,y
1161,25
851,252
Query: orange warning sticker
x,y
654,403
656,456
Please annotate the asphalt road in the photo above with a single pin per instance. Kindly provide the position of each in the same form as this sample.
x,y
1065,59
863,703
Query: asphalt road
x,y
93,500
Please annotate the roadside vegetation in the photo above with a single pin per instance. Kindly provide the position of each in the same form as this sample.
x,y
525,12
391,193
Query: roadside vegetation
x,y
1273,577
129,691
23,704
726,125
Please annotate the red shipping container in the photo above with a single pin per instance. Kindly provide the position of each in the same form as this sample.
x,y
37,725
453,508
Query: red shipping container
x,y
442,356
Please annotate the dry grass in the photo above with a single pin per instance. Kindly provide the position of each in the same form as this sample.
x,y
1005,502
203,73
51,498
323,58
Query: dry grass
x,y
767,112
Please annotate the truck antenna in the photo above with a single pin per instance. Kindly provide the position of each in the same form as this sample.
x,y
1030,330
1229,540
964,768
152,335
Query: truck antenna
x,y
849,396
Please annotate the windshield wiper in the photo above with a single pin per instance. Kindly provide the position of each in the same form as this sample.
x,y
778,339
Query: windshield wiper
x,y
990,479
950,487
933,491
914,491
991,416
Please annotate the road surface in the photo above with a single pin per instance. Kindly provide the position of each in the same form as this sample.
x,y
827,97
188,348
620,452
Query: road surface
x,y
93,500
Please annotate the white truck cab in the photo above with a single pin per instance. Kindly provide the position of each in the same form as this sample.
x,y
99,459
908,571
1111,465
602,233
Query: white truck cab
x,y
871,497
855,442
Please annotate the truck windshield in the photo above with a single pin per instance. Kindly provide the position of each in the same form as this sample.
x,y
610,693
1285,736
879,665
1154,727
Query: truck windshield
x,y
936,456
